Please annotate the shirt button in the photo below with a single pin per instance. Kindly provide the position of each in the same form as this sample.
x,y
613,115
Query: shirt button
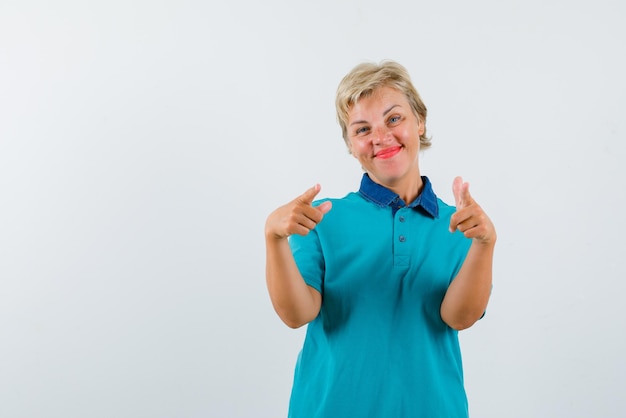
x,y
401,218
402,238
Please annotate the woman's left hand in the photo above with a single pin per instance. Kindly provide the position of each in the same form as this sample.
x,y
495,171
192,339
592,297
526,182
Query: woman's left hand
x,y
469,217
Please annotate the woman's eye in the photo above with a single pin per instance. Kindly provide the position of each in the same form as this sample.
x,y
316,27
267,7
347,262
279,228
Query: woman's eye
x,y
394,119
362,129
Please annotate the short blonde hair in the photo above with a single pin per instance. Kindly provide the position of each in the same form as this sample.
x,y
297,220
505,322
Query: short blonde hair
x,y
364,79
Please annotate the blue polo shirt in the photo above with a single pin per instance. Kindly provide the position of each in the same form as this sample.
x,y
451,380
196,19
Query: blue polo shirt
x,y
379,347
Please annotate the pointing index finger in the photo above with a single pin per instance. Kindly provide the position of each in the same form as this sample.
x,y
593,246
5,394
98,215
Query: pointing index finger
x,y
308,196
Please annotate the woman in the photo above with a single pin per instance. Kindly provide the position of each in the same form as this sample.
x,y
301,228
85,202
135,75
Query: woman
x,y
384,277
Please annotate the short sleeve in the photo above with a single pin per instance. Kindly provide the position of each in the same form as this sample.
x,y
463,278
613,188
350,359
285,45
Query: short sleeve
x,y
309,258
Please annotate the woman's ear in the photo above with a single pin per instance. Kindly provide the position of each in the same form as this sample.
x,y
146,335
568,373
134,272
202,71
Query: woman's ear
x,y
421,127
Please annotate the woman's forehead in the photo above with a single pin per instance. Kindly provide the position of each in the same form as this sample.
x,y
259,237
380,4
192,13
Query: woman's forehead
x,y
380,96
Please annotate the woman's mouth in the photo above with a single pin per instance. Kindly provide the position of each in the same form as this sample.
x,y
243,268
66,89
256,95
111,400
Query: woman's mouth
x,y
388,152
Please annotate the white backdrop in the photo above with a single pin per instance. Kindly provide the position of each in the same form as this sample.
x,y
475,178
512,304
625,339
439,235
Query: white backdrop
x,y
143,144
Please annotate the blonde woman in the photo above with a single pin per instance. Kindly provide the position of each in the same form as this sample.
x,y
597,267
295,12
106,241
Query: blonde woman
x,y
385,277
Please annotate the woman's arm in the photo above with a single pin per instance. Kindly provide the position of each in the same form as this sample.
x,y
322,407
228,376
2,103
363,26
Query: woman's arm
x,y
467,296
295,302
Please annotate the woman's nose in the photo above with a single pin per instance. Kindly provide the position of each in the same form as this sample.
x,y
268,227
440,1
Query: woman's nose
x,y
382,134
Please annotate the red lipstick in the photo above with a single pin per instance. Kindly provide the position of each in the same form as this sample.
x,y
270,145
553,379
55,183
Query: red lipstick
x,y
388,152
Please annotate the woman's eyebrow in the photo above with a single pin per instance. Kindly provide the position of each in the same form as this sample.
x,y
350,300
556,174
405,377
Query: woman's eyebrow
x,y
389,110
356,122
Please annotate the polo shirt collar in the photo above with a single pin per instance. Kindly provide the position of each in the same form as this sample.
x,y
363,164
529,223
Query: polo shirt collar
x,y
382,196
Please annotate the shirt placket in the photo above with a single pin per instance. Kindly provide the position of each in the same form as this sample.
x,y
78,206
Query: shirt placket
x,y
401,239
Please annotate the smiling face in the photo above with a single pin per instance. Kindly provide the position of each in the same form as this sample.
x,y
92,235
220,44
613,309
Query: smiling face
x,y
384,135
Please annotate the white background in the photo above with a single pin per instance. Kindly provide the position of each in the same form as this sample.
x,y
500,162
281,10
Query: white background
x,y
143,144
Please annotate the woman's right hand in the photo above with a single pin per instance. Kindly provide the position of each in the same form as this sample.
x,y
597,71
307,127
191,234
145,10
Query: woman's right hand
x,y
296,217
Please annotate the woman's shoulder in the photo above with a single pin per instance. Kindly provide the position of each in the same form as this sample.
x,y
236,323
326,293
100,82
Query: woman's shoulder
x,y
349,206
348,200
445,209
